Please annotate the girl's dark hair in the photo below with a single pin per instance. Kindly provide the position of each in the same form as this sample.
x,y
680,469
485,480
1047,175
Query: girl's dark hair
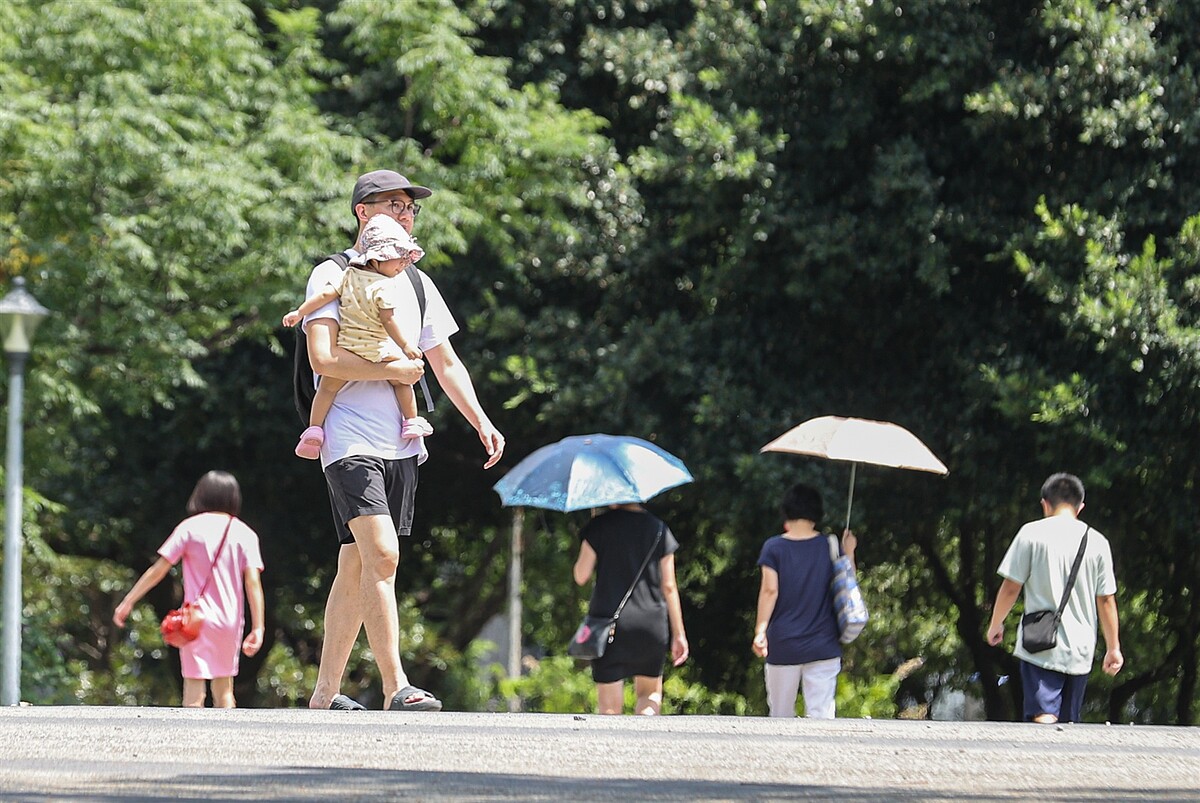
x,y
802,502
217,491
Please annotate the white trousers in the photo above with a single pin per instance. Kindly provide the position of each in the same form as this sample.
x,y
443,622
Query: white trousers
x,y
820,685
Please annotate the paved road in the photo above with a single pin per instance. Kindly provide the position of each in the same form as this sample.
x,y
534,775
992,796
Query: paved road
x,y
172,754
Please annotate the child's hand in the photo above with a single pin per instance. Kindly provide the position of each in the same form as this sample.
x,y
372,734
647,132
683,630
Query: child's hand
x,y
252,643
292,318
122,613
411,353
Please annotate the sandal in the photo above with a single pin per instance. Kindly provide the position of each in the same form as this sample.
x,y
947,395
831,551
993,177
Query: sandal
x,y
343,703
410,698
310,443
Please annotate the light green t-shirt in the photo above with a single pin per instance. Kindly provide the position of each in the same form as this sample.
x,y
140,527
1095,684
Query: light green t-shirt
x,y
1040,559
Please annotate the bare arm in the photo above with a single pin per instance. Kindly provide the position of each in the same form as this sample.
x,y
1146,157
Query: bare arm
x,y
1006,597
456,381
1106,608
329,359
254,595
670,592
768,593
388,318
849,545
585,564
149,579
311,305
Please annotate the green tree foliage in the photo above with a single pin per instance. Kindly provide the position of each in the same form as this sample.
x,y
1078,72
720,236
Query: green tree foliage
x,y
697,221
192,181
842,206
164,173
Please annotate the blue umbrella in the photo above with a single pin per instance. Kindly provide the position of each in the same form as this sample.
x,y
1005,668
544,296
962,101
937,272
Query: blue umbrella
x,y
578,472
583,471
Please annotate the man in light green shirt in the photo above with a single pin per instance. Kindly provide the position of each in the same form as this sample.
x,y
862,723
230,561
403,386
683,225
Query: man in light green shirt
x,y
1039,560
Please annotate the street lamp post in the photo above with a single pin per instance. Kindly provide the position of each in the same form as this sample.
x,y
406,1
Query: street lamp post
x,y
20,313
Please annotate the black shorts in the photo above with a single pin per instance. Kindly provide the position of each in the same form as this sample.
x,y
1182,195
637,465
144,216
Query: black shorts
x,y
371,486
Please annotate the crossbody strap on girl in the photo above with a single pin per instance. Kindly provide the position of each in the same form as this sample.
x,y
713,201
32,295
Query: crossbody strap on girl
x,y
213,567
661,529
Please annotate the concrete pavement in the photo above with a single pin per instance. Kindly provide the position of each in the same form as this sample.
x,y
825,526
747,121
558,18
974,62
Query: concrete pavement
x,y
172,754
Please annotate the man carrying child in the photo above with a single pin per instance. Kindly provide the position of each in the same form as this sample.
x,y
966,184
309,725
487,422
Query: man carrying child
x,y
370,469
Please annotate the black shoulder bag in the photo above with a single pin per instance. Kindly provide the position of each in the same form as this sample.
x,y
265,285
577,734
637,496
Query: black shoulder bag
x,y
597,632
1039,630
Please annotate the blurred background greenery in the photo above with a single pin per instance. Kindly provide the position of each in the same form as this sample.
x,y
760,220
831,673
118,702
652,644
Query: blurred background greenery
x,y
695,221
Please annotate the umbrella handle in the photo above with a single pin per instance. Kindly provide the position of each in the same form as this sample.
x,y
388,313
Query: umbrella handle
x,y
850,500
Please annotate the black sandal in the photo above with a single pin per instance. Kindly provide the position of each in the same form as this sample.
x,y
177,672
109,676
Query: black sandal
x,y
410,698
343,703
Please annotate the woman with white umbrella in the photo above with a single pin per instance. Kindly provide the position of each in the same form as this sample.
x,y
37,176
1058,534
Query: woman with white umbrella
x,y
796,629
632,554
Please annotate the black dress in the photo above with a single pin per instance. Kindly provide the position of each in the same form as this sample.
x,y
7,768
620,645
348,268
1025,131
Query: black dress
x,y
621,539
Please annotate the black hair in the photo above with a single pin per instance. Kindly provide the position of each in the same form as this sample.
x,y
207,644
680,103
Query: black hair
x,y
1062,489
216,491
802,502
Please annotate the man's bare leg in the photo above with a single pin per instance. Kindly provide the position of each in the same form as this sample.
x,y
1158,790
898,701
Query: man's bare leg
x,y
343,620
379,553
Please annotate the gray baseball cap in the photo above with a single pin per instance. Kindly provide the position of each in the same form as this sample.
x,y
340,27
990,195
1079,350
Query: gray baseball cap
x,y
378,181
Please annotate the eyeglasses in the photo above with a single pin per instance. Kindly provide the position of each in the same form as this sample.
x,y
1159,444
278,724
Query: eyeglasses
x,y
398,207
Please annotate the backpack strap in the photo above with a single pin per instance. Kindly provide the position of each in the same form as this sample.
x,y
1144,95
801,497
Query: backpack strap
x,y
414,276
419,288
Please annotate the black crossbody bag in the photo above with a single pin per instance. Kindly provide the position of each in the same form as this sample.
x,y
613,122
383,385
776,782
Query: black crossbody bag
x,y
592,637
1039,630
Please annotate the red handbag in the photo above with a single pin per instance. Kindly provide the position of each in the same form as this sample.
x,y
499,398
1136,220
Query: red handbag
x,y
182,625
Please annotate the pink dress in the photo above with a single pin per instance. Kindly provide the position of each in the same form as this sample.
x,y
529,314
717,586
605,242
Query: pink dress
x,y
215,653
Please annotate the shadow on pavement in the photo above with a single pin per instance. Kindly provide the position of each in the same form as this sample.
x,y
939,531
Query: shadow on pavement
x,y
305,785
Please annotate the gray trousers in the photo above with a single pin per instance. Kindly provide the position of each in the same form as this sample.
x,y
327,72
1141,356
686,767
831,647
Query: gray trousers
x,y
820,686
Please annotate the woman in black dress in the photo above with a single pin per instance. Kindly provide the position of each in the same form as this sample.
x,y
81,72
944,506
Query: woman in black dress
x,y
614,545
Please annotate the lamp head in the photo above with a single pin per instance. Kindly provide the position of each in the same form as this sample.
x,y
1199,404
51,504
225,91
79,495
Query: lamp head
x,y
20,314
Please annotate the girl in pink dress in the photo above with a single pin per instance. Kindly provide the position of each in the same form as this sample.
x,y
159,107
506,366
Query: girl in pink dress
x,y
213,655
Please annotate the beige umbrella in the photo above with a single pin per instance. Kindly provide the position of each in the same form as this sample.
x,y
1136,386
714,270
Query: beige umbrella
x,y
858,440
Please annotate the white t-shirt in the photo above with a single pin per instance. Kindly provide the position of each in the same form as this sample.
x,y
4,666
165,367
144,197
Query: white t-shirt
x,y
1040,559
365,417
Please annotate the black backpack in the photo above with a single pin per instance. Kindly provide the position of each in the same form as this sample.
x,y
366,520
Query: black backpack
x,y
303,383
